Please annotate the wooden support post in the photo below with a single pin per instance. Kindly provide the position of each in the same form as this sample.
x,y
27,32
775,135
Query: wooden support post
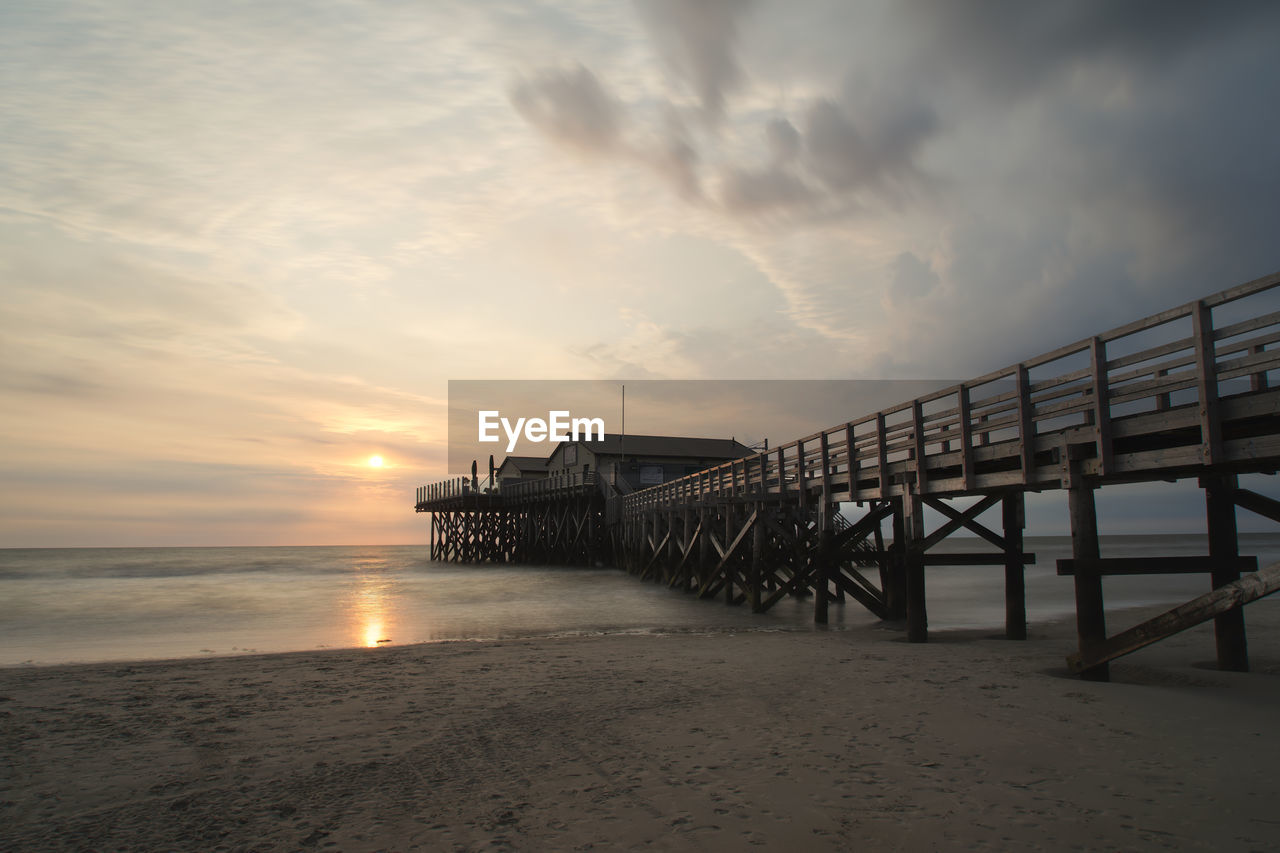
x,y
1091,624
757,559
895,587
1224,545
917,444
1026,423
1101,405
730,521
800,476
1207,383
704,550
821,554
882,456
1015,590
851,454
824,551
913,529
884,562
1258,381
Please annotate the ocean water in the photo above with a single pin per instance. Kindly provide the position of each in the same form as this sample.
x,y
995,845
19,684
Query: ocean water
x,y
93,605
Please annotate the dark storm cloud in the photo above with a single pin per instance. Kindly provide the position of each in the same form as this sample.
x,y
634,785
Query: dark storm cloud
x,y
1090,162
1013,46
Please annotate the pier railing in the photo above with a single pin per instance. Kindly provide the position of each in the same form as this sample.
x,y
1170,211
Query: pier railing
x,y
1180,390
555,484
454,487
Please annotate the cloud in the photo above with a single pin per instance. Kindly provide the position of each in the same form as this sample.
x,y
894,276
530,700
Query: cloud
x,y
1013,48
988,163
571,107
910,279
834,167
697,40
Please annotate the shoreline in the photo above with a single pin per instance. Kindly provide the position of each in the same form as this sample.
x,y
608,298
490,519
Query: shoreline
x,y
827,738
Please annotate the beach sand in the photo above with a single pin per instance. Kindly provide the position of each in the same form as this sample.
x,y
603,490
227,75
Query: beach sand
x,y
797,741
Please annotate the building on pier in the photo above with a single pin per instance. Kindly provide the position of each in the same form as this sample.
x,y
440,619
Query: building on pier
x,y
519,468
630,462
556,509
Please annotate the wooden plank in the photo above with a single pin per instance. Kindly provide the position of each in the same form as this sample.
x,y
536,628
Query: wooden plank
x,y
1249,365
1260,504
1167,366
1184,565
994,558
1058,383
1150,354
1245,326
1245,345
1194,612
1240,291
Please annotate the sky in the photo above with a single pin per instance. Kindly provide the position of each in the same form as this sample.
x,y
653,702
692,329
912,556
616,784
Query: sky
x,y
244,246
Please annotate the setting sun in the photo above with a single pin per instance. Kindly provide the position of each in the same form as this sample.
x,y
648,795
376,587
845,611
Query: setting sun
x,y
375,461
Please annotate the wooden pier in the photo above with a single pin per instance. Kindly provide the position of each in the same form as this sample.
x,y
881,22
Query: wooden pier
x,y
557,520
1185,393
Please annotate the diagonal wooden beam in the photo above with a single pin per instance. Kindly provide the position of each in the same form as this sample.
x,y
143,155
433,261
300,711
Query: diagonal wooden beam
x,y
715,541
675,573
657,552
737,540
797,581
963,518
869,600
1254,502
864,526
1198,610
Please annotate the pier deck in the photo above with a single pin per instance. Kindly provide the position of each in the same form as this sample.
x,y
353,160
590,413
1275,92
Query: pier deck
x,y
1185,393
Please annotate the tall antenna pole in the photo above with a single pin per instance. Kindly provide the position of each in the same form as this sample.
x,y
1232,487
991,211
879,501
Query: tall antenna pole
x,y
622,443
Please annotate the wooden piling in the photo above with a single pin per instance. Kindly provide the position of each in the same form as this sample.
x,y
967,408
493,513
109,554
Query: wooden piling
x,y
1013,512
1224,549
913,555
1091,623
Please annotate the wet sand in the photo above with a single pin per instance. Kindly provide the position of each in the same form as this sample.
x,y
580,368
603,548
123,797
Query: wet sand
x,y
814,741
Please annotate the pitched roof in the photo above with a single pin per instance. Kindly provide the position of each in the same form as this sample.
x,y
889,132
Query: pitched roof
x,y
614,444
525,463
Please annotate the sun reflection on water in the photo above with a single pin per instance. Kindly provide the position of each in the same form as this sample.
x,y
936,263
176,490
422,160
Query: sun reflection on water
x,y
369,618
